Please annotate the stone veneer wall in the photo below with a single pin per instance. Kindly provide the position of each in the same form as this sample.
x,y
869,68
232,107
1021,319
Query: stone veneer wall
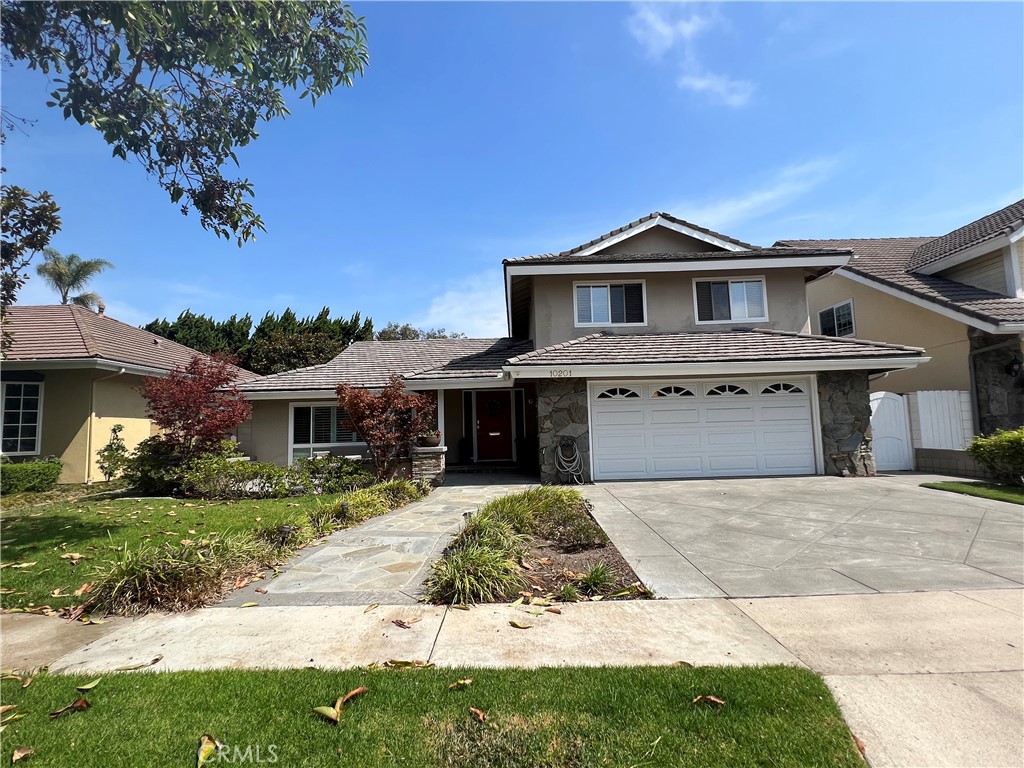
x,y
1000,396
846,423
428,464
562,413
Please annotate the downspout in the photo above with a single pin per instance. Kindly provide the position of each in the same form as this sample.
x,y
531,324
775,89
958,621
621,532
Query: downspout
x,y
92,415
975,416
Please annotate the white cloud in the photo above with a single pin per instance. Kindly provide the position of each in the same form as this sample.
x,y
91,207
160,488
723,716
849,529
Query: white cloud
x,y
787,185
474,306
732,93
661,29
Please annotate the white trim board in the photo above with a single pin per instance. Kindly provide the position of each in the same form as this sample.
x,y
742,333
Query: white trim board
x,y
80,363
696,265
933,306
495,382
759,367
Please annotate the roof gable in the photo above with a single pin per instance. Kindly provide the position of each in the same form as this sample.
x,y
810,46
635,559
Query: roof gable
x,y
990,227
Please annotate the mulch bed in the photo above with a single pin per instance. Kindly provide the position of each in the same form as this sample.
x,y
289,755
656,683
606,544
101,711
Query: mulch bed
x,y
547,567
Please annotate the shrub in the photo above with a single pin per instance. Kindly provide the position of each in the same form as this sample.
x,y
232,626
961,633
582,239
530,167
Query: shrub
x,y
514,509
112,457
216,477
473,573
560,515
365,503
331,474
400,492
155,468
494,532
1002,454
30,476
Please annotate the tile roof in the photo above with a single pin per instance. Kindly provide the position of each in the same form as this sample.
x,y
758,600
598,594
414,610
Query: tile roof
x,y
371,363
712,347
70,332
487,364
1006,220
633,225
885,260
620,258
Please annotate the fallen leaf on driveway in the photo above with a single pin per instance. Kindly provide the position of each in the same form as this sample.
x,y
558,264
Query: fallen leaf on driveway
x,y
685,664
405,623
249,605
861,746
370,607
133,667
261,590
76,706
552,609
517,625
460,607
478,714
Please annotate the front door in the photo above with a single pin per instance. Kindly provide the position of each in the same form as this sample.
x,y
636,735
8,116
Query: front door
x,y
494,425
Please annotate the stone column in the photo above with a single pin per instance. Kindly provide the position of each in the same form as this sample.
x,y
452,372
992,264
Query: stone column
x,y
562,415
428,463
846,423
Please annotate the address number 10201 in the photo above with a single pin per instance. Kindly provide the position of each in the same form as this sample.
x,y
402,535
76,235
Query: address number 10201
x,y
560,373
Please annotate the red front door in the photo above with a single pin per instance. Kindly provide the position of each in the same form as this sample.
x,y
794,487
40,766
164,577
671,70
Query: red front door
x,y
494,425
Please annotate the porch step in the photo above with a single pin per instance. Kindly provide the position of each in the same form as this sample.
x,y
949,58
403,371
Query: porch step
x,y
498,468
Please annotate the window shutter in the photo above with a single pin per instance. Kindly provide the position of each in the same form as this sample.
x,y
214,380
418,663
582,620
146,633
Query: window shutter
x,y
755,298
705,308
322,418
618,302
301,426
583,313
634,300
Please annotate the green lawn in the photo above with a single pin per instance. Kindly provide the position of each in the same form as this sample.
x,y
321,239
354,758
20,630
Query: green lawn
x,y
1011,493
561,718
94,529
61,493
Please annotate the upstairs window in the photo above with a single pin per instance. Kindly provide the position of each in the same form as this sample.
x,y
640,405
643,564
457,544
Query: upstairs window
x,y
610,304
837,320
22,407
725,301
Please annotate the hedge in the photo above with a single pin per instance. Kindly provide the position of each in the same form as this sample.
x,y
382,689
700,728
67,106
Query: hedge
x,y
1002,454
29,476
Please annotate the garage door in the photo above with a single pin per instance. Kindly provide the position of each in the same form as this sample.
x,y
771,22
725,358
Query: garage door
x,y
709,428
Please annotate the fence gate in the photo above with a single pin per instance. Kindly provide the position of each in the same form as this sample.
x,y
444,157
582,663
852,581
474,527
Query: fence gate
x,y
890,430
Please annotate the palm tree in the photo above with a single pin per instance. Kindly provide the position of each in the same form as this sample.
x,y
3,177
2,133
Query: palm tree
x,y
70,274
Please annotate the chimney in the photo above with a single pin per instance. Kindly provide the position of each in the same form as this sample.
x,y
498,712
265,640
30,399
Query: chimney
x,y
101,309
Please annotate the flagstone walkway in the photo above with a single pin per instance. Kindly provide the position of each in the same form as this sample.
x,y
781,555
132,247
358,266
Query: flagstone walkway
x,y
384,560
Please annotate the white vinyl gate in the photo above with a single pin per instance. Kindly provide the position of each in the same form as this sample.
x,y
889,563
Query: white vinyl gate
x,y
709,428
890,432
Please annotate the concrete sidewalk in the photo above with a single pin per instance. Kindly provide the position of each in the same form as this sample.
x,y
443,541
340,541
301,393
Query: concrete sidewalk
x,y
925,679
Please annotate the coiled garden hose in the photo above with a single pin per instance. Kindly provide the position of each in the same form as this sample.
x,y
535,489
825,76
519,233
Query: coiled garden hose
x,y
568,461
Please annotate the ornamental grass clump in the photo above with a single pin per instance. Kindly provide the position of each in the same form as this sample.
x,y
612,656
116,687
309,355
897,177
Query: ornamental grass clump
x,y
474,573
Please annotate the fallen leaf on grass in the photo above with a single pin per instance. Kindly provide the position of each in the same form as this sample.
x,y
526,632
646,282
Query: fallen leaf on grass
x,y
458,685
58,593
517,625
685,664
478,714
74,557
861,746
76,706
10,676
208,747
329,713
6,591
27,682
24,565
11,719
21,753
404,664
7,708
370,607
143,665
87,587
88,686
713,701
353,693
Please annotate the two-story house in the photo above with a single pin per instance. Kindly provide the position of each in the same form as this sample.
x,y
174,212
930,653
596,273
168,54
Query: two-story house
x,y
660,349
960,297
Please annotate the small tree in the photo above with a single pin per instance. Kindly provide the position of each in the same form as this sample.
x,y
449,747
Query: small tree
x,y
114,455
389,420
196,406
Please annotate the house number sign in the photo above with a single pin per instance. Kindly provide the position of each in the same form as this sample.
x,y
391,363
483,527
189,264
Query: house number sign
x,y
560,373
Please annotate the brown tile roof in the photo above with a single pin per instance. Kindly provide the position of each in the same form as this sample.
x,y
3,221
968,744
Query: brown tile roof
x,y
720,347
1006,220
625,258
371,363
70,332
885,260
633,225
486,364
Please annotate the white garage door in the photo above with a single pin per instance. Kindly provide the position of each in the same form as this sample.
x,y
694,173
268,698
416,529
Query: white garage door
x,y
709,428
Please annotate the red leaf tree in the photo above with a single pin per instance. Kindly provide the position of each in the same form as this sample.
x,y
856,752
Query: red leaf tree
x,y
389,421
196,406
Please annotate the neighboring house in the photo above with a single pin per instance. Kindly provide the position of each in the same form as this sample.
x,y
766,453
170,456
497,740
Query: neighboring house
x,y
70,376
661,349
961,298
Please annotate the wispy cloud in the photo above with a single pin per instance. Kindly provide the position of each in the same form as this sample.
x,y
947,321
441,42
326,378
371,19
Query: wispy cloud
x,y
474,306
674,28
785,186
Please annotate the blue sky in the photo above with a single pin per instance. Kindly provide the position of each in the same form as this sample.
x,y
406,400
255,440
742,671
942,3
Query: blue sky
x,y
486,131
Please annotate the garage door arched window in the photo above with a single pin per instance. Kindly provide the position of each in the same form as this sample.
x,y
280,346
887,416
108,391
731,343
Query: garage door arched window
x,y
782,388
672,391
727,389
617,393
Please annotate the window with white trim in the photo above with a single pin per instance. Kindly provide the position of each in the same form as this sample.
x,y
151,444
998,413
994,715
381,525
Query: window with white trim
x,y
617,393
837,320
21,418
610,304
317,428
724,301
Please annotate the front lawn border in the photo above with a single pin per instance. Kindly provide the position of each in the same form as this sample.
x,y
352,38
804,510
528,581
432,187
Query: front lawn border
x,y
1010,494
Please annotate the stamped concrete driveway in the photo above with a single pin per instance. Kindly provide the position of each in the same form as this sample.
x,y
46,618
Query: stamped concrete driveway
x,y
771,537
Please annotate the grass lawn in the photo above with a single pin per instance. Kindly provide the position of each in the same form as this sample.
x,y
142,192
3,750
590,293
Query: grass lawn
x,y
94,529
62,493
561,718
1010,493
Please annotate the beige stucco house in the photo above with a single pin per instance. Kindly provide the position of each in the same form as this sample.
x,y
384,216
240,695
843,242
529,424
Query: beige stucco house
x,y
69,377
961,298
659,349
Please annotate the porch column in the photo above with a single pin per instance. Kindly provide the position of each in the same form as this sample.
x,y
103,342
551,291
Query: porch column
x,y
440,414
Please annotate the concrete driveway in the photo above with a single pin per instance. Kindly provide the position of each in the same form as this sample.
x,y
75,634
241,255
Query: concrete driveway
x,y
774,537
